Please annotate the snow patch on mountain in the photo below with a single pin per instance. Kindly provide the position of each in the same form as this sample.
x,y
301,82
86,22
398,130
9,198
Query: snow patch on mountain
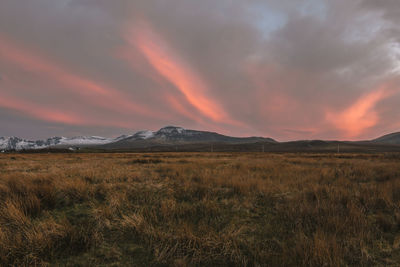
x,y
85,140
15,143
122,137
171,130
144,135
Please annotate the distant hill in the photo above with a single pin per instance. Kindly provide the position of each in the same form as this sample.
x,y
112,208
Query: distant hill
x,y
393,139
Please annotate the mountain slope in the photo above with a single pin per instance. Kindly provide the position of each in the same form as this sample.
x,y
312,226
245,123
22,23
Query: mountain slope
x,y
172,135
392,139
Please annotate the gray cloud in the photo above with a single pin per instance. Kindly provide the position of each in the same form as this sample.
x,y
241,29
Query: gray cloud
x,y
272,65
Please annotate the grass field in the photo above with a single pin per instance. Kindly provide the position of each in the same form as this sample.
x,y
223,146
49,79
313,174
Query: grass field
x,y
208,209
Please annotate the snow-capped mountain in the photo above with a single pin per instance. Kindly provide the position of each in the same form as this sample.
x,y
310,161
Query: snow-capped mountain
x,y
172,135
169,135
15,143
172,138
178,134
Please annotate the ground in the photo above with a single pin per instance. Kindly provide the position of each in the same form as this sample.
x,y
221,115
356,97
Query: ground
x,y
207,209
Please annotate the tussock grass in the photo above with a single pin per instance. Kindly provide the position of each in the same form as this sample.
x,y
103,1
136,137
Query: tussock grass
x,y
189,209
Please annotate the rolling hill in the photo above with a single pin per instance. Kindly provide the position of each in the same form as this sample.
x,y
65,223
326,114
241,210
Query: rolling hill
x,y
393,139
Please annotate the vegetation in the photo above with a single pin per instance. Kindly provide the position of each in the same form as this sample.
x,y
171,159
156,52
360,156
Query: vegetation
x,y
186,209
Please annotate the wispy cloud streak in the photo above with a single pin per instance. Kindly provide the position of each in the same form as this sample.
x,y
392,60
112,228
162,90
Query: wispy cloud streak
x,y
362,114
169,65
40,112
94,92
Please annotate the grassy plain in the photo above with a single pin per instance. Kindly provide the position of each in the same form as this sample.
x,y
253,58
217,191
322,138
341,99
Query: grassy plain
x,y
208,209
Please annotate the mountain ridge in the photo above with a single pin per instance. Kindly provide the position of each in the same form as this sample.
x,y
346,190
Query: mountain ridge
x,y
170,137
165,135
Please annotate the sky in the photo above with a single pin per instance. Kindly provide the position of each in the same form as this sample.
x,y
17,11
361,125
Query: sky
x,y
290,70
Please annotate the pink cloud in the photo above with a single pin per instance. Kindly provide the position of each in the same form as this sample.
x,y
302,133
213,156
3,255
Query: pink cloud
x,y
55,115
39,112
94,92
361,115
172,68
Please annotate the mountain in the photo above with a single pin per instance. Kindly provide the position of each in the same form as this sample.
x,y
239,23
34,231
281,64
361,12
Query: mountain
x,y
15,143
173,136
167,136
392,139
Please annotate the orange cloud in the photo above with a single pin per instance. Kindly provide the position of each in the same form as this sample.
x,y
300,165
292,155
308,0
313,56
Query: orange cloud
x,y
54,115
173,69
40,112
361,115
93,92
179,107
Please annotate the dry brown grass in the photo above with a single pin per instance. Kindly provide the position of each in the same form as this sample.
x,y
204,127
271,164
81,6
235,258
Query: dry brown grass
x,y
185,209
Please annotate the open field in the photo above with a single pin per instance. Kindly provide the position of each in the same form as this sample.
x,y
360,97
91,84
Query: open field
x,y
200,209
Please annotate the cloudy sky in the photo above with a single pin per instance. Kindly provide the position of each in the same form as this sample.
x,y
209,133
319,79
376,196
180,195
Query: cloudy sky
x,y
304,69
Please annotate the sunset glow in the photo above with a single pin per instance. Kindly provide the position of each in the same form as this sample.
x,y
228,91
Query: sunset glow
x,y
145,120
39,112
286,71
167,64
91,90
360,116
